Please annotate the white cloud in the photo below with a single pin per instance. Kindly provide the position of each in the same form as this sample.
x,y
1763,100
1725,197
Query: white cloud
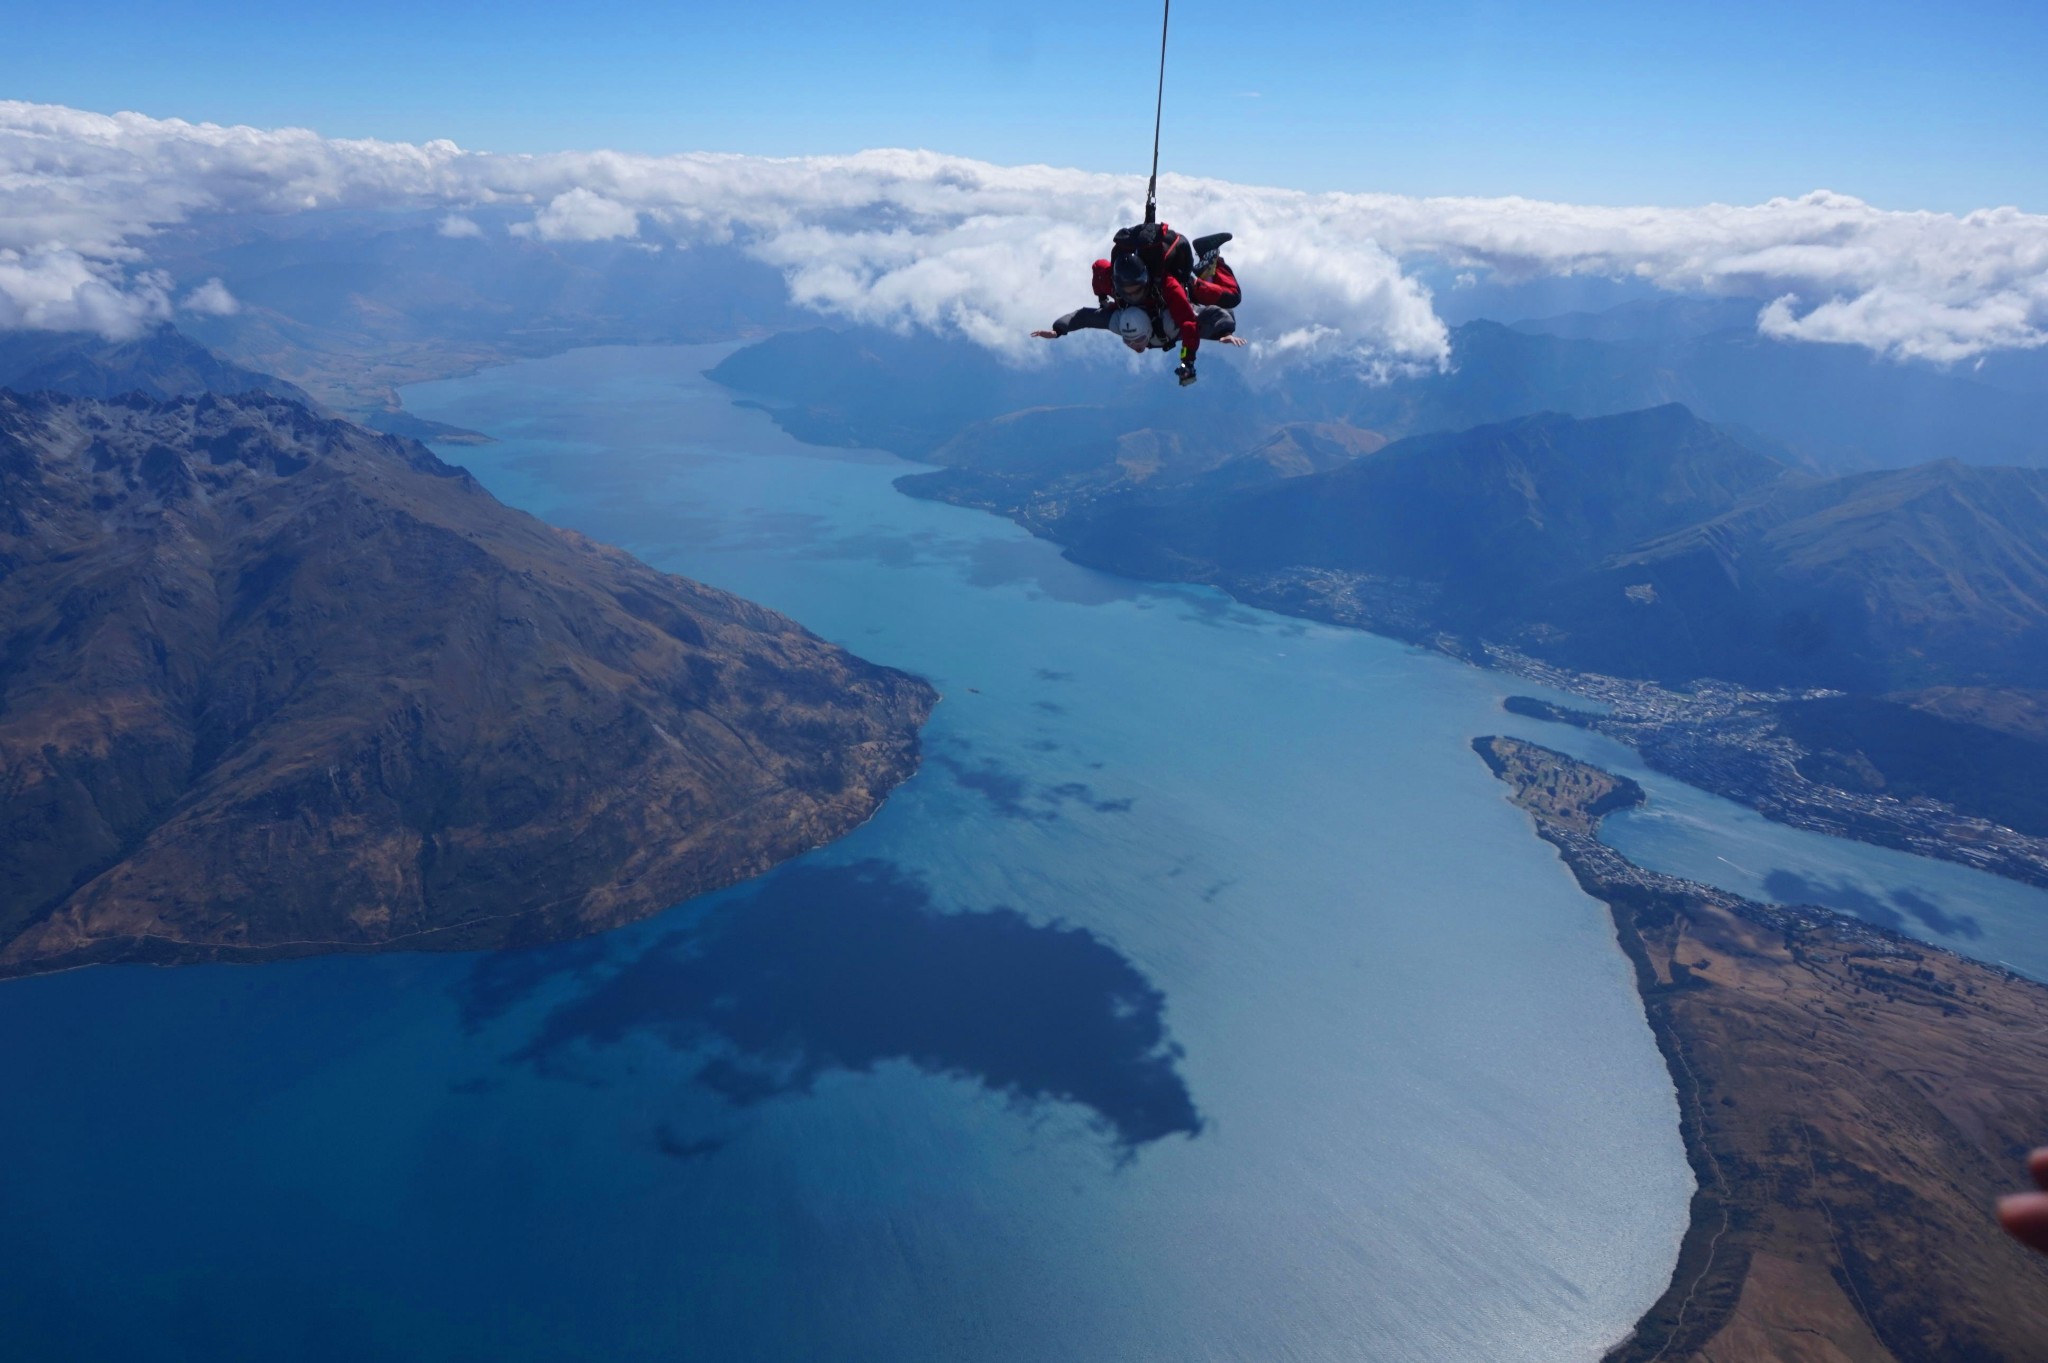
x,y
579,215
907,238
211,299
455,225
54,289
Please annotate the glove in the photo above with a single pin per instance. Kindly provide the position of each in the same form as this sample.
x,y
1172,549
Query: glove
x,y
1186,370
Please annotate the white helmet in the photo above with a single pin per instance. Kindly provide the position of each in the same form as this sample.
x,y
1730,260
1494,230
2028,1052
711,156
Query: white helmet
x,y
1134,325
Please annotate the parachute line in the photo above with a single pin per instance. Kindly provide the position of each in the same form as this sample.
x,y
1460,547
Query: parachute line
x,y
1158,110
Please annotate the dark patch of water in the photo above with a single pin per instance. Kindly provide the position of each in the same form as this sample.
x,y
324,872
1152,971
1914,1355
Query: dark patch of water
x,y
1934,917
1015,797
677,1147
502,980
846,967
1082,793
1790,887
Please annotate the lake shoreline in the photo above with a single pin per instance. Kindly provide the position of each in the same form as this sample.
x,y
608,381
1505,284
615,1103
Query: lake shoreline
x,y
1757,1079
1695,736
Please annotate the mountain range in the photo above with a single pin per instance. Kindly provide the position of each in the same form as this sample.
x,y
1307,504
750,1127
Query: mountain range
x,y
1643,543
162,362
1827,409
1647,544
272,684
1932,575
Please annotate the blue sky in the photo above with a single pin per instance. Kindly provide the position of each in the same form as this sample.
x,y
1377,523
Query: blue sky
x,y
1907,105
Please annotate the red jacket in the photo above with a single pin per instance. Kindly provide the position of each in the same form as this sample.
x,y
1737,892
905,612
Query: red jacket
x,y
1165,293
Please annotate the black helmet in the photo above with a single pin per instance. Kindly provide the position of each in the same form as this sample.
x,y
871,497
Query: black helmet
x,y
1131,274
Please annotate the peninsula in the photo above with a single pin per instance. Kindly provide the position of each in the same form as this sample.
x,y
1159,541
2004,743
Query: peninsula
x,y
1851,1102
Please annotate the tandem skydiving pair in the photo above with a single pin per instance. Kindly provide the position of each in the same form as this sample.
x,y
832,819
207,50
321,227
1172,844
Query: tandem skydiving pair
x,y
1158,288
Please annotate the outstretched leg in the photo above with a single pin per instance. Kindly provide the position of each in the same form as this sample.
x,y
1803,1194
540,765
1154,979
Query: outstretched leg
x,y
1216,282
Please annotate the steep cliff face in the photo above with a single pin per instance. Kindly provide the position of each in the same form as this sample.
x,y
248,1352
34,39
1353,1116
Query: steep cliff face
x,y
273,684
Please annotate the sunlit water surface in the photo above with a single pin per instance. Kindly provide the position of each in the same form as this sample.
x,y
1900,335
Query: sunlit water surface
x,y
1201,999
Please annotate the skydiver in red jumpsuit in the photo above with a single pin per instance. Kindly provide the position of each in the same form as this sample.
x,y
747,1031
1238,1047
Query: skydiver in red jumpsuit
x,y
1175,286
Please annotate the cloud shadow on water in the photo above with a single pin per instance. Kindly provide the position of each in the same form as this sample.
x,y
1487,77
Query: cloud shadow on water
x,y
502,980
845,968
1014,797
677,1147
1935,918
1083,793
1791,887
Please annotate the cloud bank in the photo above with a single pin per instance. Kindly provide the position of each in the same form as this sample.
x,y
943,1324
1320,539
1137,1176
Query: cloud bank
x,y
908,238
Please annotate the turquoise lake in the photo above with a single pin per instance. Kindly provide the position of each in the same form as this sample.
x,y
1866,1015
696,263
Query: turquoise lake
x,y
1283,1037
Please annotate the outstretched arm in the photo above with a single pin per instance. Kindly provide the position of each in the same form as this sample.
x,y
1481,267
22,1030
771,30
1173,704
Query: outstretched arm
x,y
1080,319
